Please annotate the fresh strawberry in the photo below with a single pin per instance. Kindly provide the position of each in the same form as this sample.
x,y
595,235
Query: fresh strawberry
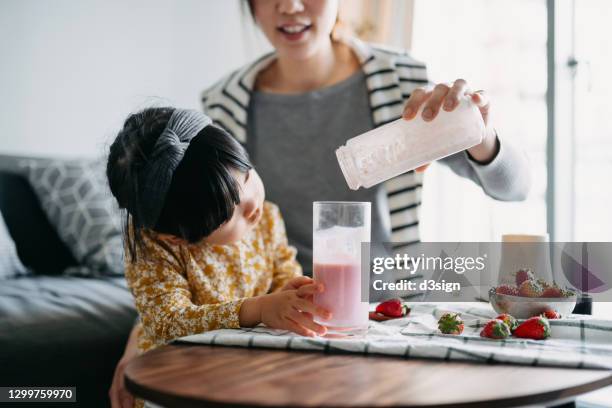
x,y
506,290
509,320
523,275
530,288
393,308
551,314
495,329
552,292
450,323
536,328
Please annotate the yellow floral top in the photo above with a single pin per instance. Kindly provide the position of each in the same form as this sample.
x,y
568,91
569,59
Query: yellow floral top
x,y
182,289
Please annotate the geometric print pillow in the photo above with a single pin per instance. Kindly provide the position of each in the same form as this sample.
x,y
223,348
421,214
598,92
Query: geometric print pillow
x,y
75,196
10,264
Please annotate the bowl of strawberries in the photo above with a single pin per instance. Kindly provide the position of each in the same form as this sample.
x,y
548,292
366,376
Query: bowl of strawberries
x,y
531,296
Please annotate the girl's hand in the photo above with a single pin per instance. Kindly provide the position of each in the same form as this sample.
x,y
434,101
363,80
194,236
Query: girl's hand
x,y
306,287
296,282
288,311
446,97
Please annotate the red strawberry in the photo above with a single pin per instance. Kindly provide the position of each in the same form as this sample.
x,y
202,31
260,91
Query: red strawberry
x,y
551,314
509,320
523,275
552,292
530,288
495,329
506,290
393,308
536,328
450,323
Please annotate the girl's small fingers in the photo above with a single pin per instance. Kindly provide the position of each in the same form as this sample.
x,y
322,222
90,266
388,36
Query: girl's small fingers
x,y
458,89
416,99
307,322
310,289
299,329
309,307
434,103
300,281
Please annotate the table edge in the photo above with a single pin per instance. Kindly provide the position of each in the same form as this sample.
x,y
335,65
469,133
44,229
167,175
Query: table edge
x,y
169,399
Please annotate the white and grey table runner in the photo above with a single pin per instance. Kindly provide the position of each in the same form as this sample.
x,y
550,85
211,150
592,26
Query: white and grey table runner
x,y
577,341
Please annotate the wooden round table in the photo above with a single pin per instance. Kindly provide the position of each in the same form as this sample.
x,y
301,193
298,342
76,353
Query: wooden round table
x,y
197,375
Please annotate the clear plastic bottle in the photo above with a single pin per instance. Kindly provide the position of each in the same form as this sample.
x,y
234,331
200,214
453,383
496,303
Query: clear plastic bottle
x,y
404,145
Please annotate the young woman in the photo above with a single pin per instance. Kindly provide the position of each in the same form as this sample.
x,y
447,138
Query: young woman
x,y
294,107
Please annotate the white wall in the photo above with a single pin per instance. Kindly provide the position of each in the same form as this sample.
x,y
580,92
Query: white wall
x,y
71,70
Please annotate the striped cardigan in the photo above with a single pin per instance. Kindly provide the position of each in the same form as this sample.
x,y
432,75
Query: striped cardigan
x,y
390,75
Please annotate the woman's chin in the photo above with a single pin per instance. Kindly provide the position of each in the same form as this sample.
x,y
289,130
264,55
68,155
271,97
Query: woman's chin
x,y
298,52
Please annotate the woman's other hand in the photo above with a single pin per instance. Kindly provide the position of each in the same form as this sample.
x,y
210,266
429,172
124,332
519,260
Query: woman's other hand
x,y
444,96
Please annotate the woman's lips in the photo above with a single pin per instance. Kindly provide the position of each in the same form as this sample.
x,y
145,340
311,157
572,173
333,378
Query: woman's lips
x,y
294,32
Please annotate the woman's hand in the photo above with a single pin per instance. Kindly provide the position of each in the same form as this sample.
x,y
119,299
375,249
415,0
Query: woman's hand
x,y
286,310
119,396
446,97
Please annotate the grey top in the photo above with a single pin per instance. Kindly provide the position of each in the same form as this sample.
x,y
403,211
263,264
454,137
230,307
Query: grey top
x,y
292,142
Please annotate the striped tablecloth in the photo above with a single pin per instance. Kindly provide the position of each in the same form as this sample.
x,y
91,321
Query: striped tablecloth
x,y
576,341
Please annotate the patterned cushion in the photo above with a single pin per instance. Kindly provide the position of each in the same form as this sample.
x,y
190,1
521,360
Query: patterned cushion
x,y
10,265
75,196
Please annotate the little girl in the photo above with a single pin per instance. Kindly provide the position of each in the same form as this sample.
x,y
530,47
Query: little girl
x,y
204,251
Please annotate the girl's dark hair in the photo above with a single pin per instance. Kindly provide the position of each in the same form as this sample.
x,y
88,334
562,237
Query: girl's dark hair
x,y
203,192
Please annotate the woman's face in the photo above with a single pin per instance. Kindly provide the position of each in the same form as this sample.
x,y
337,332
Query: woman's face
x,y
246,214
296,28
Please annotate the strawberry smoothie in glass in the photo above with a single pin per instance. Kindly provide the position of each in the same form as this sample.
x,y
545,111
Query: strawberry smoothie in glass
x,y
339,229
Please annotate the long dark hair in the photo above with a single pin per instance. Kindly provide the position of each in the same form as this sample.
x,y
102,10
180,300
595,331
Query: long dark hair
x,y
203,192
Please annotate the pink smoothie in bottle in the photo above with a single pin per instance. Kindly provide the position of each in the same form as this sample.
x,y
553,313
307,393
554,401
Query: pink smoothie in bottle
x,y
342,296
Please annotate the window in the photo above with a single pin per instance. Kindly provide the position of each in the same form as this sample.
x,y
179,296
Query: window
x,y
592,138
480,41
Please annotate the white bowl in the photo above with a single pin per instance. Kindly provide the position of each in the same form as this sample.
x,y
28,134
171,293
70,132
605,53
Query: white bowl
x,y
526,307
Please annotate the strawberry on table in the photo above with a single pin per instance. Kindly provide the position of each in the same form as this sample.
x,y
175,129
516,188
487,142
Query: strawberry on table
x,y
507,290
523,275
495,329
536,328
451,323
393,308
530,288
551,314
509,320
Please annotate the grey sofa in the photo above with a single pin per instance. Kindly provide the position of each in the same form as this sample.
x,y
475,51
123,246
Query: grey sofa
x,y
56,330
